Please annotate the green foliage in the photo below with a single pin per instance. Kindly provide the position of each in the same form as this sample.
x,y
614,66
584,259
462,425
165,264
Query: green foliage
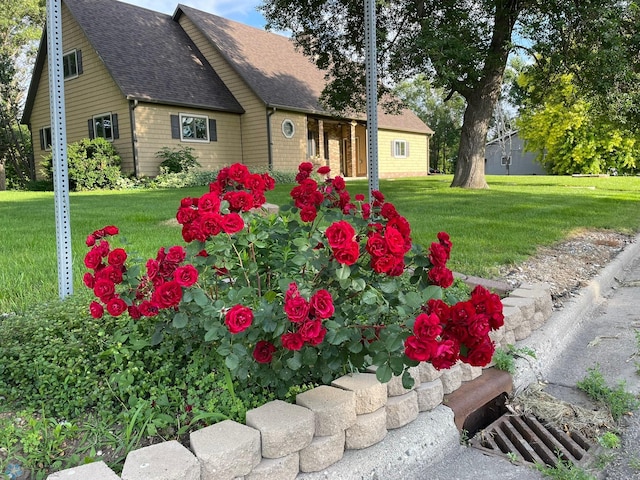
x,y
609,440
618,400
92,164
505,359
177,160
570,137
565,470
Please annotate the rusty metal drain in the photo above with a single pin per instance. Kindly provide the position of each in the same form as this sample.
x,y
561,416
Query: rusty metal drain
x,y
528,439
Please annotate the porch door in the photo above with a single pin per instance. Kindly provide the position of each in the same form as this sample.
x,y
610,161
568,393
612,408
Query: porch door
x,y
361,157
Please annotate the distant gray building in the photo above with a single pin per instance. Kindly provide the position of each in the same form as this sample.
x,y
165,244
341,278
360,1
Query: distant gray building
x,y
506,156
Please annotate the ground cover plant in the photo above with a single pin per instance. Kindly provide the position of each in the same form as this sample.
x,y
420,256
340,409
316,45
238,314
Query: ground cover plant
x,y
123,347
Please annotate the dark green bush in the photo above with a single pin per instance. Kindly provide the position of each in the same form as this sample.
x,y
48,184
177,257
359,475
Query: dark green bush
x,y
93,164
177,160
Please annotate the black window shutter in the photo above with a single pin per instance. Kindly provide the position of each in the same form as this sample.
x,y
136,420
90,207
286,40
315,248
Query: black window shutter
x,y
79,61
175,126
114,126
42,140
213,130
92,134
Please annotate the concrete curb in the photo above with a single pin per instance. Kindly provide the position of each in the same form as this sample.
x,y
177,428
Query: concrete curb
x,y
564,324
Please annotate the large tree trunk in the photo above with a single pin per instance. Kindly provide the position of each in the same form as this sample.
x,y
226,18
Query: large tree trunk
x,y
482,98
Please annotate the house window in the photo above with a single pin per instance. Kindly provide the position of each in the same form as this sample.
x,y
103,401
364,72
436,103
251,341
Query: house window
x,y
505,161
104,125
72,64
288,128
45,138
194,128
311,144
400,148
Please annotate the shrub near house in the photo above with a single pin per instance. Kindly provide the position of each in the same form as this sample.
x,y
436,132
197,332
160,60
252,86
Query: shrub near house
x,y
330,284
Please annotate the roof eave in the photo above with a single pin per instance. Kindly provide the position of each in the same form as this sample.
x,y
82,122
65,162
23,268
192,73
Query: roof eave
x,y
157,101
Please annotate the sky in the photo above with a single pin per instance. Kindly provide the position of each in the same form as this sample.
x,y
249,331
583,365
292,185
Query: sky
x,y
244,11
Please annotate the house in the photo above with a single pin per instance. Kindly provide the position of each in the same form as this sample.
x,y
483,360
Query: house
x,y
506,155
145,80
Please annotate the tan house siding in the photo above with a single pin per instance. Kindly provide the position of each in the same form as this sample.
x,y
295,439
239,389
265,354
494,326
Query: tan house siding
x,y
415,164
254,121
153,128
288,153
91,93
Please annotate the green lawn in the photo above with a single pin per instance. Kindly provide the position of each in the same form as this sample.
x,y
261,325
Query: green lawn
x,y
488,228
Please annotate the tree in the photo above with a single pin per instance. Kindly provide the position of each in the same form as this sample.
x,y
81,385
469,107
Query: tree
x,y
21,23
462,46
571,136
444,117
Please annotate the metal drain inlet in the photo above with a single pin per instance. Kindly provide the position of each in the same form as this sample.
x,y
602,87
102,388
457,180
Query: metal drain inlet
x,y
531,441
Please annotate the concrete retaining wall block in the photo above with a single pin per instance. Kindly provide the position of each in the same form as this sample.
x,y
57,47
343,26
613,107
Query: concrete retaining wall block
x,y
284,428
451,379
322,452
283,468
370,394
334,408
430,395
162,461
512,317
226,450
90,471
401,410
526,305
369,429
428,373
469,372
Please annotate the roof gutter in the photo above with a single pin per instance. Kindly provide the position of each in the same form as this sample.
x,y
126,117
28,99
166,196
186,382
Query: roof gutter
x,y
134,137
269,142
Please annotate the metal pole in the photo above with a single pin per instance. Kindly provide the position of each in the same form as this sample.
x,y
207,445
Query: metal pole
x,y
372,94
59,147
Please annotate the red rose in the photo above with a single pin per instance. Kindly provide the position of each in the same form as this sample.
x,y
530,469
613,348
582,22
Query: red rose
x,y
239,201
238,318
383,264
91,240
338,183
324,170
113,274
480,355
308,213
463,312
305,167
292,341
88,280
419,350
297,309
116,306
440,308
232,223
238,173
93,258
427,327
263,351
378,197
269,182
104,289
388,211
185,215
376,245
186,276
441,276
395,241
446,355
134,312
310,330
443,238
322,304
211,224
438,255
209,202
117,257
366,211
479,326
402,225
96,310
340,234
167,295
254,182
347,255
148,309
176,254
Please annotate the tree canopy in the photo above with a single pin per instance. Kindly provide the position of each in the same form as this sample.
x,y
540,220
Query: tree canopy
x,y
462,47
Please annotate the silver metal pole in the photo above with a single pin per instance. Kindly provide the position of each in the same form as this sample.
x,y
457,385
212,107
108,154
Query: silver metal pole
x,y
59,147
372,94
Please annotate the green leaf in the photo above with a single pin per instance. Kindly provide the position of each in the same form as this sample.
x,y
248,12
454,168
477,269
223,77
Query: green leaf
x,y
369,297
200,297
356,347
309,356
343,272
383,373
407,380
295,362
180,320
389,287
232,361
432,291
358,284
299,260
393,342
413,300
211,335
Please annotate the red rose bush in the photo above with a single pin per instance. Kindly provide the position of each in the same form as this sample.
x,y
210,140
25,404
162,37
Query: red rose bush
x,y
329,284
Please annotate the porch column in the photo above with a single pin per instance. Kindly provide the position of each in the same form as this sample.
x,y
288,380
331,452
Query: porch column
x,y
354,153
321,152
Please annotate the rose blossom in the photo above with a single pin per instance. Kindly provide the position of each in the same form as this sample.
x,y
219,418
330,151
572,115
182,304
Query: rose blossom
x,y
438,255
322,304
308,213
117,257
104,289
419,350
427,326
167,295
297,309
441,276
116,306
238,318
93,258
324,170
176,254
232,223
186,275
292,341
263,351
480,355
347,255
88,280
96,310
340,234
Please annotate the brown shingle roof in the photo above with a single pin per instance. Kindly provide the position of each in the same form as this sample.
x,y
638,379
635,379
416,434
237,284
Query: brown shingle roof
x,y
148,55
272,67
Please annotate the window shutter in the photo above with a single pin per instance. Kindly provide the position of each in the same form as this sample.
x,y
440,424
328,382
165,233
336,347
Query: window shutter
x,y
213,130
393,149
407,148
114,126
91,132
175,126
79,61
42,140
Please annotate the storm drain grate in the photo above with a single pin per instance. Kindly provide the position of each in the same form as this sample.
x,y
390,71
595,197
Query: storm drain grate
x,y
532,441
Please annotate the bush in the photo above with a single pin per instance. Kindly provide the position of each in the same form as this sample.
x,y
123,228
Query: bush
x,y
177,160
93,164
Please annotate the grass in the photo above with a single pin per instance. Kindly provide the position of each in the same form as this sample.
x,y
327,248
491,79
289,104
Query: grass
x,y
489,228
618,400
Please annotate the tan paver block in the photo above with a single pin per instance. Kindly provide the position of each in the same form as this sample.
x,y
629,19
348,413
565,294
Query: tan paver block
x,y
226,450
540,296
430,395
323,452
428,373
402,409
162,461
284,428
283,468
369,429
334,408
537,321
512,317
527,305
523,330
469,372
395,387
90,471
370,394
451,379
